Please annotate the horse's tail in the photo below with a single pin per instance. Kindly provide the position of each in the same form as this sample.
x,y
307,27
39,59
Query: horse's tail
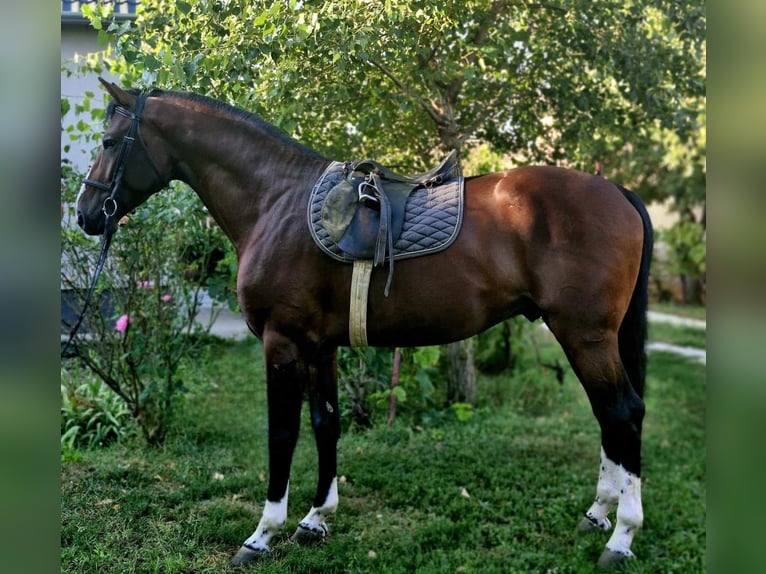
x,y
633,331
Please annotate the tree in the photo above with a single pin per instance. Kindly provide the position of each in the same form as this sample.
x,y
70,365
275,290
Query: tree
x,y
553,81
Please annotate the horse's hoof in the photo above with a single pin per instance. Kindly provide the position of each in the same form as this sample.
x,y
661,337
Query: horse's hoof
x,y
611,558
586,526
246,554
589,525
307,537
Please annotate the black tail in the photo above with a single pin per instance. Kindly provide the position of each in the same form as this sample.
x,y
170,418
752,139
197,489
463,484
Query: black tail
x,y
633,331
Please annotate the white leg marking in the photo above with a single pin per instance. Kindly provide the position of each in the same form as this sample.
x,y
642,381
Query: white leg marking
x,y
607,493
315,519
272,519
630,514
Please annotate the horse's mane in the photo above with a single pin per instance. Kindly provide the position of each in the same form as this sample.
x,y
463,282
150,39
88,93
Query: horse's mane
x,y
228,109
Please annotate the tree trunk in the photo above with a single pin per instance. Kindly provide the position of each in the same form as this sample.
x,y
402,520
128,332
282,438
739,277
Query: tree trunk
x,y
691,290
461,373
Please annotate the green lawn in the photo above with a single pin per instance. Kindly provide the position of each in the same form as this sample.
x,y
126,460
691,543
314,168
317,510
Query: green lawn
x,y
186,507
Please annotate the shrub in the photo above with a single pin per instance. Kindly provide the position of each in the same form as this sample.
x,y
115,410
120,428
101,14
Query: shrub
x,y
365,377
363,373
142,322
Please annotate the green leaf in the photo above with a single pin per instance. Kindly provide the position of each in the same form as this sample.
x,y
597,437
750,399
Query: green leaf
x,y
103,37
426,356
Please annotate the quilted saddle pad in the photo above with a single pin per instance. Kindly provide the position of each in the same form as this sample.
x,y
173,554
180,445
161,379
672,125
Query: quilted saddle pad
x,y
432,220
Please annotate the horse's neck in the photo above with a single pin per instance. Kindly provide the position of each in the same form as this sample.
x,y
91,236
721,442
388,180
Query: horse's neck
x,y
240,171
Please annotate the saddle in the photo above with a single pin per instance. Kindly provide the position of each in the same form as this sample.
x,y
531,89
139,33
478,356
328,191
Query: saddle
x,y
364,213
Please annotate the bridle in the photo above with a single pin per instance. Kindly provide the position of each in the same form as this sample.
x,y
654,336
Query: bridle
x,y
109,208
110,203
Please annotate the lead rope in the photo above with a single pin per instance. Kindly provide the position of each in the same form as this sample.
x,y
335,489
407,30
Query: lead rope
x,y
107,239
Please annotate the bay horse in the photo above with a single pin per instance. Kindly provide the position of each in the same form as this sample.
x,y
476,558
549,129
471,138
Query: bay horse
x,y
570,247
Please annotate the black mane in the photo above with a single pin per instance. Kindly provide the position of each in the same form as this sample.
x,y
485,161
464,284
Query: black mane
x,y
235,112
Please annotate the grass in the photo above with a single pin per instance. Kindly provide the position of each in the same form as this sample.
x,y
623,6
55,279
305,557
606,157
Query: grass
x,y
188,506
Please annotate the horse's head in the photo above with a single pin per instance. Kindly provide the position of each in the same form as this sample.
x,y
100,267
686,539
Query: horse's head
x,y
126,170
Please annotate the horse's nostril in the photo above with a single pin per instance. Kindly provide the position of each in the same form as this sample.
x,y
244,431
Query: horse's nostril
x,y
80,219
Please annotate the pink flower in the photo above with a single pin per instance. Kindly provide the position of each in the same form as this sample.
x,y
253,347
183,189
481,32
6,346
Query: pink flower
x,y
145,284
166,298
121,324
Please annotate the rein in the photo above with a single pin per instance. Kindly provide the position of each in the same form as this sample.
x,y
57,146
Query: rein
x,y
109,208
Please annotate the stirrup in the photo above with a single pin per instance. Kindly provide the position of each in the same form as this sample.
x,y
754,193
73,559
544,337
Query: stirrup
x,y
368,199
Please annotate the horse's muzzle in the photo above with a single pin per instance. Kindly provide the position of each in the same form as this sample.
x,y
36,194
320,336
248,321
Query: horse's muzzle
x,y
91,226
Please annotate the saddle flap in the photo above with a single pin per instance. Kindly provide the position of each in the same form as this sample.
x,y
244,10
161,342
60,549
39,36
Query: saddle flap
x,y
339,207
356,226
359,238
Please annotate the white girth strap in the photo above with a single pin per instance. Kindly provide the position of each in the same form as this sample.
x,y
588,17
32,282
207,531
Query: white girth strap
x,y
360,287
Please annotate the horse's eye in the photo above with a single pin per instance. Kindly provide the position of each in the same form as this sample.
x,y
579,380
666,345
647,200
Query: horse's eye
x,y
108,142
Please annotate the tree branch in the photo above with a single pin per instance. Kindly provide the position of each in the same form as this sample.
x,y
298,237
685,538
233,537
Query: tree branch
x,y
104,376
428,108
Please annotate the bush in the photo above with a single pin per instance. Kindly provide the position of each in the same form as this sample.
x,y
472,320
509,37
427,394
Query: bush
x,y
142,323
500,347
686,241
363,373
365,376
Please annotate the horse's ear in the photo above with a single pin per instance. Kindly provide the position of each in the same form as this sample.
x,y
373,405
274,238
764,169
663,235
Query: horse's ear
x,y
120,96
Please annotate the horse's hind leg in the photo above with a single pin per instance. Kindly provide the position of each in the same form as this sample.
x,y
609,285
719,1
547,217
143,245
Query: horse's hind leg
x,y
286,378
619,410
325,420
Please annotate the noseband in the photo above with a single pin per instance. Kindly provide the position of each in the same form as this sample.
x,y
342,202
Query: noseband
x,y
109,208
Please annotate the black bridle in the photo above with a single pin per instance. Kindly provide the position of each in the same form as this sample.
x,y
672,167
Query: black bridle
x,y
109,208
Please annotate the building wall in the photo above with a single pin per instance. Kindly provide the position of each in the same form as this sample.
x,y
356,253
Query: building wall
x,y
77,41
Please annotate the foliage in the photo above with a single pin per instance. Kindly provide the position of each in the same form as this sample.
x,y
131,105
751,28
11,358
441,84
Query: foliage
x,y
416,392
502,346
188,506
365,377
550,82
91,413
142,323
686,240
396,80
362,372
573,82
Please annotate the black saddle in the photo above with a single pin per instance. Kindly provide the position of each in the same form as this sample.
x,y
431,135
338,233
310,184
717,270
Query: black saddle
x,y
364,213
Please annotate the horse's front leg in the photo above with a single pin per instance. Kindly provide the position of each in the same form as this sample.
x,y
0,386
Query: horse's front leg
x,y
286,377
325,419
